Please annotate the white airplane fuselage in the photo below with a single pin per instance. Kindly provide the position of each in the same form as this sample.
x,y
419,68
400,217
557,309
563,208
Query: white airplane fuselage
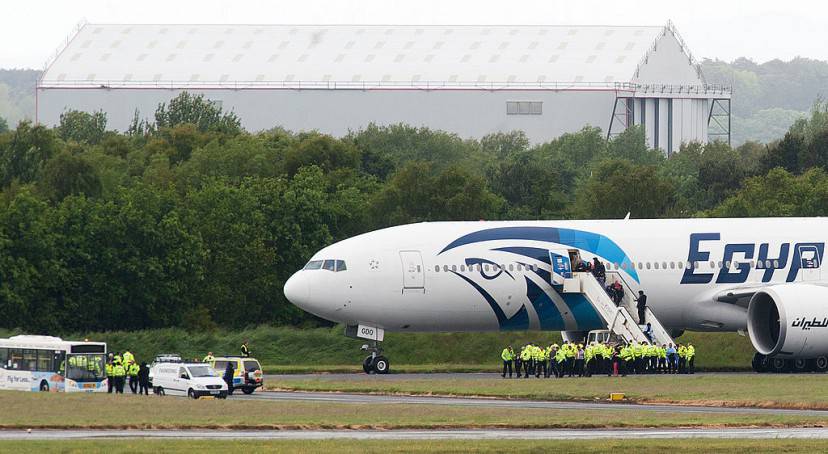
x,y
485,276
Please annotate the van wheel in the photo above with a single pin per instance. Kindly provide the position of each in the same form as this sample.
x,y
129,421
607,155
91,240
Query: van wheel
x,y
248,390
159,391
44,386
191,394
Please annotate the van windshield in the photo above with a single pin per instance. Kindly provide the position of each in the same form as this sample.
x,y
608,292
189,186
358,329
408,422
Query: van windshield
x,y
201,371
251,365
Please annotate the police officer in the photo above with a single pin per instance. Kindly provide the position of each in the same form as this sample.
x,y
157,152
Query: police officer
x,y
110,374
245,349
540,361
526,359
132,372
508,356
128,359
209,358
691,357
682,359
553,360
119,373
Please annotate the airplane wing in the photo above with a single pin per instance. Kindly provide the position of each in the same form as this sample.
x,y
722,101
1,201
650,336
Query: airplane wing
x,y
740,296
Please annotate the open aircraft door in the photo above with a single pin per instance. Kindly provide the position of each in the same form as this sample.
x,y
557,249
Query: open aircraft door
x,y
561,266
413,271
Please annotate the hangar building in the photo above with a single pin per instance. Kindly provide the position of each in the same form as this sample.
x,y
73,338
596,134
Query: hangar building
x,y
471,80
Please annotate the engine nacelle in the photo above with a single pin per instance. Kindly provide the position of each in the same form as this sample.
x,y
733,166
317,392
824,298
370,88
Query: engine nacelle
x,y
790,321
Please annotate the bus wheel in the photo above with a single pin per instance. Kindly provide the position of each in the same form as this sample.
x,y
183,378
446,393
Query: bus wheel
x,y
44,386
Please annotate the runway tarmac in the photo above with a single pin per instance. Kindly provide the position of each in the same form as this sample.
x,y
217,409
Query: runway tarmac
x,y
376,399
482,434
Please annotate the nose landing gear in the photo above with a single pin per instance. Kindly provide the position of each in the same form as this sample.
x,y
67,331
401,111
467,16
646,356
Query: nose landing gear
x,y
375,362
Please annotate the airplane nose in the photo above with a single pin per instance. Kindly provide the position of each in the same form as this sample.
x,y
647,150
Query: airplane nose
x,y
297,289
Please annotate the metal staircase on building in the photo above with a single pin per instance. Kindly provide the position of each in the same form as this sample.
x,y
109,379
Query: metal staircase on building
x,y
619,319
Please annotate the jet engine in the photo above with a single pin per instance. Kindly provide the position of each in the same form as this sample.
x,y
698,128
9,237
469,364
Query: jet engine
x,y
789,321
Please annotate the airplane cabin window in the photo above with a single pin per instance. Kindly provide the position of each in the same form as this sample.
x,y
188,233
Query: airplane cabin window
x,y
436,268
640,266
727,264
712,264
454,267
462,267
720,263
445,268
664,265
655,265
511,267
486,267
314,265
776,263
340,266
329,265
648,265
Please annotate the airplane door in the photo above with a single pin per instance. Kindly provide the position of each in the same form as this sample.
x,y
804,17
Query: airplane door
x,y
809,262
413,272
561,266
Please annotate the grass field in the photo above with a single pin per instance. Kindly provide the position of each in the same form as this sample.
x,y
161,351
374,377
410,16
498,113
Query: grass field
x,y
286,350
23,410
793,391
384,447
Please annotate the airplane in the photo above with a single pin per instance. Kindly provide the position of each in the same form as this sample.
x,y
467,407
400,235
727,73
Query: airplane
x,y
760,275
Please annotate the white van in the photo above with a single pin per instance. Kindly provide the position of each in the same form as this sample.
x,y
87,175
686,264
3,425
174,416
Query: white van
x,y
193,380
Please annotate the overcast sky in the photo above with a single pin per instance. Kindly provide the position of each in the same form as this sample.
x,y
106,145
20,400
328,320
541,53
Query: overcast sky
x,y
31,31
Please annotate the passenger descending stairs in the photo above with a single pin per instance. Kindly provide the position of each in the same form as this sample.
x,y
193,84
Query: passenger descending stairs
x,y
619,319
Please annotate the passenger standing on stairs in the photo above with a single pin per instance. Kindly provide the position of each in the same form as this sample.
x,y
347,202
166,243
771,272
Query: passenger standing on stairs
x,y
642,306
599,271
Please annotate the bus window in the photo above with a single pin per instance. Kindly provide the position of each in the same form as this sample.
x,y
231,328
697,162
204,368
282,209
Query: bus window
x,y
4,357
44,361
29,360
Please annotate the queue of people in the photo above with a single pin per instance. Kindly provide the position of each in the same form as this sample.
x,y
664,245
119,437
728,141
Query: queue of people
x,y
570,359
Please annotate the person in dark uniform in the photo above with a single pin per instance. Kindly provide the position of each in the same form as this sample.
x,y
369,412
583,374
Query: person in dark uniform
x,y
229,371
642,306
143,379
245,350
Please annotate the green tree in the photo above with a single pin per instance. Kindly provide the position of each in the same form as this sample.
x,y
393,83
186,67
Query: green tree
x,y
618,187
196,110
24,152
4,125
82,127
779,193
66,175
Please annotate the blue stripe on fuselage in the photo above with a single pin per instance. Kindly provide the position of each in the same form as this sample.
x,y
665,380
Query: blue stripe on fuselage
x,y
548,315
519,321
588,241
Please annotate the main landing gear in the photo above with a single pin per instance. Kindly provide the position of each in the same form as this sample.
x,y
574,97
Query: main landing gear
x,y
762,363
375,362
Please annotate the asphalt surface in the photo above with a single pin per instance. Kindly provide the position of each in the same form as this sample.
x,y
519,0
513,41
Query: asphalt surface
x,y
377,399
483,434
274,378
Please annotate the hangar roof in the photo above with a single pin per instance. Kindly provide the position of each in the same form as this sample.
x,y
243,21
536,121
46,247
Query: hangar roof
x,y
353,55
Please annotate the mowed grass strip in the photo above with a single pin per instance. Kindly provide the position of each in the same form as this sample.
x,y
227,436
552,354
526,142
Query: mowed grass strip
x,y
21,410
752,390
418,446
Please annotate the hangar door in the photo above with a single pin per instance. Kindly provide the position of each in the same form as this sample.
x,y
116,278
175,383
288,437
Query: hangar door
x,y
413,272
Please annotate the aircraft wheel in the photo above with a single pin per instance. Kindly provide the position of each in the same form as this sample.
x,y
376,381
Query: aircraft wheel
x,y
759,363
381,365
778,365
366,364
821,364
801,365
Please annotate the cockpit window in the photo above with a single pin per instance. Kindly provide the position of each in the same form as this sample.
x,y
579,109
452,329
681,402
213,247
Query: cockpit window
x,y
313,265
329,265
340,265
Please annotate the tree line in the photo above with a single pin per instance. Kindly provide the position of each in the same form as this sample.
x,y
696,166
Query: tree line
x,y
188,220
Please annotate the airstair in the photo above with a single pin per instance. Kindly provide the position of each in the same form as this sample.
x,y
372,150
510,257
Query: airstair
x,y
619,319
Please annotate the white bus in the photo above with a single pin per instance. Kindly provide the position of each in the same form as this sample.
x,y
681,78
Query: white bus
x,y
45,363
